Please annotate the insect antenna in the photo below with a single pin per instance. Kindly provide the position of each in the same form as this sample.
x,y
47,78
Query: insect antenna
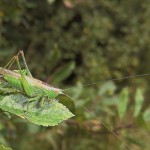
x,y
114,79
121,139
109,80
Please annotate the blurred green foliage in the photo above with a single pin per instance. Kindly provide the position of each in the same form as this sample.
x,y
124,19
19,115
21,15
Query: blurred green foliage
x,y
71,43
4,148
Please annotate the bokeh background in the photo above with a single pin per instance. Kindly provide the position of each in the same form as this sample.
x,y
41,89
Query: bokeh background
x,y
69,43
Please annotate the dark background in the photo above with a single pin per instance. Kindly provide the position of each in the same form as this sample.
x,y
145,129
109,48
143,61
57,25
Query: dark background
x,y
69,43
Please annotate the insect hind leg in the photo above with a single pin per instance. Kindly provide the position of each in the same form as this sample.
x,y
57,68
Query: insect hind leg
x,y
12,60
10,63
15,58
25,63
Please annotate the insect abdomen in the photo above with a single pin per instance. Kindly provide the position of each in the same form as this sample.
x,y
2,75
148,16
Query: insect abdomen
x,y
15,82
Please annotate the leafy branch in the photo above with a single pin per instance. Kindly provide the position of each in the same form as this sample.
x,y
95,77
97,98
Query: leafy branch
x,y
50,114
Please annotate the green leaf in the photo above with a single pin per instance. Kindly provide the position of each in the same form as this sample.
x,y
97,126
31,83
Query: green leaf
x,y
108,87
53,59
50,114
123,101
146,115
63,72
32,128
138,101
2,147
139,121
110,101
67,101
76,91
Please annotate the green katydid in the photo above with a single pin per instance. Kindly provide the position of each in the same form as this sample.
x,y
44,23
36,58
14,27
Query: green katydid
x,y
23,81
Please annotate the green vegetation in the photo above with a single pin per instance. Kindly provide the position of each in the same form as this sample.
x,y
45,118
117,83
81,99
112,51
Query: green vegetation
x,y
71,43
49,114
